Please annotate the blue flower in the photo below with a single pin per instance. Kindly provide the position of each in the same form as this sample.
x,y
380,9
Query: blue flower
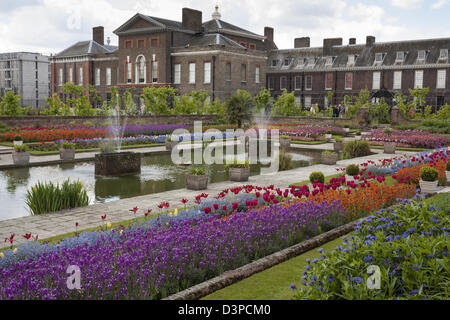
x,y
358,280
293,287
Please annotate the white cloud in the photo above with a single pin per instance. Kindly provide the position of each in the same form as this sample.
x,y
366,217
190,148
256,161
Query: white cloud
x,y
42,25
407,4
439,4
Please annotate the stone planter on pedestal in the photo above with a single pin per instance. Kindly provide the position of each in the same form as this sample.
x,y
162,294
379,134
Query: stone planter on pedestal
x,y
389,148
239,174
330,159
21,158
338,146
285,143
196,182
117,164
66,154
170,145
447,174
428,186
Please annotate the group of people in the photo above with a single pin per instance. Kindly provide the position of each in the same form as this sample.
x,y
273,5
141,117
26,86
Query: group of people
x,y
339,111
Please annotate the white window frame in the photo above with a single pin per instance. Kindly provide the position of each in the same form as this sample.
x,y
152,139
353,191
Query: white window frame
x,y
192,73
70,75
295,83
80,76
351,60
177,73
397,84
345,81
129,73
281,82
257,74
97,76
141,59
326,81
418,79
60,79
443,54
400,56
207,72
271,83
441,77
108,76
329,61
306,83
308,102
376,80
155,71
419,53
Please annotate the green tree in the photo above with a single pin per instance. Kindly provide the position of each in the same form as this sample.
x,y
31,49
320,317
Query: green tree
x,y
239,107
156,100
217,108
262,100
199,98
10,105
419,95
285,105
129,104
94,98
78,100
185,105
56,107
379,112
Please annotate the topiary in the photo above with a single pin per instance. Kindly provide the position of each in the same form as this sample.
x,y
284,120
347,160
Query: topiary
x,y
17,138
352,170
428,173
317,176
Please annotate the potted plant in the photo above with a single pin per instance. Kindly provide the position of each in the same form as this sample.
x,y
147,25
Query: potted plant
x,y
170,143
20,155
338,144
428,179
328,134
67,151
347,128
351,171
238,171
329,157
18,140
447,172
285,142
196,179
389,147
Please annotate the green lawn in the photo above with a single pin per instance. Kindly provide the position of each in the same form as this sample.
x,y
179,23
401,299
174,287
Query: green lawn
x,y
273,283
402,148
309,142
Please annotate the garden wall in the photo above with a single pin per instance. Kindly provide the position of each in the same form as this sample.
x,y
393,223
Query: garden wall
x,y
31,121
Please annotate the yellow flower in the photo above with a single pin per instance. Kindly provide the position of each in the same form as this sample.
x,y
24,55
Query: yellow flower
x,y
2,255
121,232
108,224
175,213
15,250
170,214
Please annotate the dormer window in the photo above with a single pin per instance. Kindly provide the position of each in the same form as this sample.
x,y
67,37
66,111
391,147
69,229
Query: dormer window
x,y
351,59
444,54
274,63
287,62
311,62
330,61
379,57
400,56
421,55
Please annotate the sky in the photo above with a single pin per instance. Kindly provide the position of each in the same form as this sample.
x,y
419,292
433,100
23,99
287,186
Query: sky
x,y
50,26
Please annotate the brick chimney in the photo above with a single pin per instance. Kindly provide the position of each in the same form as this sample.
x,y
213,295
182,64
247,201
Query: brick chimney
x,y
352,41
370,40
303,42
192,20
98,35
330,42
268,33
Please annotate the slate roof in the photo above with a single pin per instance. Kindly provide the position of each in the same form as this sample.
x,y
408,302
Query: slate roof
x,y
83,48
220,26
159,25
213,39
365,56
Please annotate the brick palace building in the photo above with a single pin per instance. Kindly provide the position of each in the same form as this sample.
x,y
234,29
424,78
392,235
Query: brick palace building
x,y
220,58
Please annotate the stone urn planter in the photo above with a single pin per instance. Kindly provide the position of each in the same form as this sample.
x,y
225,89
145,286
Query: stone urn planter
x,y
239,174
66,154
428,186
389,148
170,145
117,164
285,143
330,158
21,158
196,182
338,146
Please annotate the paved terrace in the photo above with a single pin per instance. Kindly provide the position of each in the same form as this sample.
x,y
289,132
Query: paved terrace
x,y
54,224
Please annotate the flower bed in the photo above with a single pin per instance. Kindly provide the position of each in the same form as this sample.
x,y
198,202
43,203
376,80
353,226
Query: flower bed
x,y
308,131
412,174
408,138
409,244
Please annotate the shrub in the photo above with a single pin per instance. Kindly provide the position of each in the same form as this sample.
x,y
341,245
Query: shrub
x,y
238,164
387,131
22,148
352,170
197,171
338,139
317,176
108,147
408,243
48,197
17,138
88,124
447,166
326,152
428,173
68,145
358,132
73,123
357,148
